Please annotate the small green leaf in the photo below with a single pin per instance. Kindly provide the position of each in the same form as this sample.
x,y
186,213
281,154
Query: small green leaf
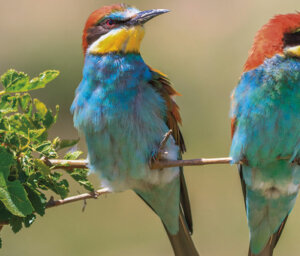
x,y
37,199
44,147
34,134
49,119
29,219
56,142
25,102
42,167
66,144
8,104
72,155
41,108
7,158
14,81
60,187
80,175
42,80
4,213
16,223
12,194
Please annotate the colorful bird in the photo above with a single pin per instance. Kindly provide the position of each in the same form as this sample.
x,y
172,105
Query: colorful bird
x,y
266,130
123,108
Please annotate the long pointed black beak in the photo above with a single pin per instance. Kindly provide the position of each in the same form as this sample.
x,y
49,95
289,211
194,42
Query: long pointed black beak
x,y
144,16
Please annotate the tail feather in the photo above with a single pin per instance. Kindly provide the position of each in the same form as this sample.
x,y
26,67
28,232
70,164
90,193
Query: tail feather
x,y
171,204
268,250
182,242
271,244
185,202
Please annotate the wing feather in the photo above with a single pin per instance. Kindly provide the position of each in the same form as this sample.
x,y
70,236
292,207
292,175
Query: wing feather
x,y
163,85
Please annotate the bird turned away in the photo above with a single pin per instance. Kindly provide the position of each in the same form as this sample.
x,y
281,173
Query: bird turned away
x,y
123,108
266,129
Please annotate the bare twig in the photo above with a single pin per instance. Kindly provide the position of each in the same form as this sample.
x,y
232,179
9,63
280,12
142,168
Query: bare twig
x,y
71,164
191,162
52,203
66,164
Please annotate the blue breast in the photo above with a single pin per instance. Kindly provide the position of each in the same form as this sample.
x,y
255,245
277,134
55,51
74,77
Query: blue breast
x,y
121,116
266,105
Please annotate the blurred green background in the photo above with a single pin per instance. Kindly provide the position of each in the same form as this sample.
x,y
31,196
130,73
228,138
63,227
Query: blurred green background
x,y
202,46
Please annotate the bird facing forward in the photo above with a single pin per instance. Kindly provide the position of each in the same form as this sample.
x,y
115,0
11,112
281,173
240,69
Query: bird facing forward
x,y
123,108
266,130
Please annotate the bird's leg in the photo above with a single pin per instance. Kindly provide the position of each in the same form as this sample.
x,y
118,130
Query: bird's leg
x,y
160,152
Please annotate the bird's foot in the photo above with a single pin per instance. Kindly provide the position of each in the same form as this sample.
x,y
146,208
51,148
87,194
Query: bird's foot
x,y
160,153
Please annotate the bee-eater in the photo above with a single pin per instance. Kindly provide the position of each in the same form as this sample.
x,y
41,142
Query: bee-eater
x,y
266,130
123,108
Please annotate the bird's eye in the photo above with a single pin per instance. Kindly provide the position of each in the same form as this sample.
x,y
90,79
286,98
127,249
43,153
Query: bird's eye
x,y
110,22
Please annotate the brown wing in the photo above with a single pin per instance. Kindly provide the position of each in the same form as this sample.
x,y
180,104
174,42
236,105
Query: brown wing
x,y
233,125
163,85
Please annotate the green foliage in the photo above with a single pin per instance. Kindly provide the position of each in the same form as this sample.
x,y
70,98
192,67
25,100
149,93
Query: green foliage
x,y
14,81
79,175
24,176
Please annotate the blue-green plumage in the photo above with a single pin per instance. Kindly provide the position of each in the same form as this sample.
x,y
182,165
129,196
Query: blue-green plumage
x,y
123,119
266,107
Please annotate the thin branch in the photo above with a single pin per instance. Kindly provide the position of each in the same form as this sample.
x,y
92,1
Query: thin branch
x,y
191,162
71,164
157,161
52,203
66,164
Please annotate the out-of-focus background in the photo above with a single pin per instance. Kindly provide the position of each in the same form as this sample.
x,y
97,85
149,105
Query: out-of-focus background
x,y
202,46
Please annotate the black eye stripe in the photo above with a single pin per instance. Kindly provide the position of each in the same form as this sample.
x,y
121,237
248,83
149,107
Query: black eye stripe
x,y
291,39
105,20
101,28
94,33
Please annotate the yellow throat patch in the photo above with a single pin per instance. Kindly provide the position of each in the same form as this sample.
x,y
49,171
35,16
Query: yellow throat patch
x,y
119,40
293,51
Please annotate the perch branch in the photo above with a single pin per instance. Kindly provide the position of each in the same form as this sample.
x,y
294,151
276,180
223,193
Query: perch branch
x,y
52,203
71,164
157,163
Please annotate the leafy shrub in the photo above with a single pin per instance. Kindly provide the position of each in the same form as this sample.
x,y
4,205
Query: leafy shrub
x,y
24,143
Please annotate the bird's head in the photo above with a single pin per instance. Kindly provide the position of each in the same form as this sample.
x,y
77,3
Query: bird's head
x,y
281,35
116,28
